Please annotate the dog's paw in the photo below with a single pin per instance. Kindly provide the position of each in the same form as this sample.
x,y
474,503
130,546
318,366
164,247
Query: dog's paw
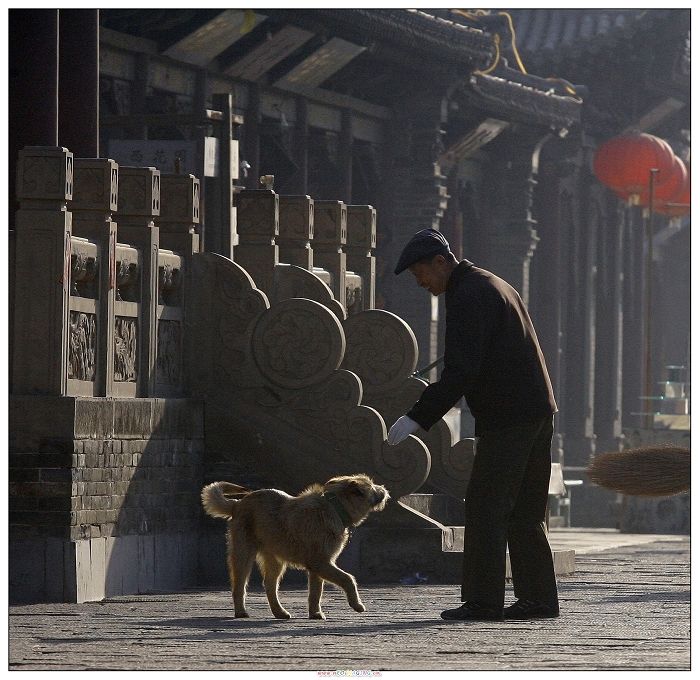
x,y
317,615
359,607
242,615
282,614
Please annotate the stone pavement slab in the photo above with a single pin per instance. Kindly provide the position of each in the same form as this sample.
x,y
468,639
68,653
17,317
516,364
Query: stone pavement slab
x,y
627,607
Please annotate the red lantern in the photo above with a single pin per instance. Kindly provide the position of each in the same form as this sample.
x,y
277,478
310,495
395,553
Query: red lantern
x,y
678,204
667,186
623,163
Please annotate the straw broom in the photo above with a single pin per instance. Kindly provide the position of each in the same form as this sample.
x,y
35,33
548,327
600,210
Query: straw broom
x,y
645,471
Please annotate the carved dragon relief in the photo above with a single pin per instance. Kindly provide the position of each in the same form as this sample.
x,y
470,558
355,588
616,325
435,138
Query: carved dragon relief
x,y
280,364
382,351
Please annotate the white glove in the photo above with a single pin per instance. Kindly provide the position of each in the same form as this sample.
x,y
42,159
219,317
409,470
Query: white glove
x,y
401,429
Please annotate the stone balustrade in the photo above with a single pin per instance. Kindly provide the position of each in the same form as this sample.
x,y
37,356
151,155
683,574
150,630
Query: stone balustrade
x,y
311,235
99,306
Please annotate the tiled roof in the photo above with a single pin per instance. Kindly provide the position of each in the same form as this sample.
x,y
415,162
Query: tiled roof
x,y
505,97
548,36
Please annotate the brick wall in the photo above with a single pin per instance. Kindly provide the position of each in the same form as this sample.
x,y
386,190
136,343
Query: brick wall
x,y
125,499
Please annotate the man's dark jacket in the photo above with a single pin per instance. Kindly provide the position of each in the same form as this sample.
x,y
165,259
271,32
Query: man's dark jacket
x,y
492,356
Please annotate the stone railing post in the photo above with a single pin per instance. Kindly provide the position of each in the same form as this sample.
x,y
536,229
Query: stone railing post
x,y
330,236
42,266
296,231
137,282
177,224
258,227
362,239
93,283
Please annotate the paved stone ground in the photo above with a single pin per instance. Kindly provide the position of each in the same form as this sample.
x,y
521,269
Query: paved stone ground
x,y
626,608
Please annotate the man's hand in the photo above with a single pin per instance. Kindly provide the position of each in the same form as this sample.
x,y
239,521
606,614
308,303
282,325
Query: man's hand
x,y
401,429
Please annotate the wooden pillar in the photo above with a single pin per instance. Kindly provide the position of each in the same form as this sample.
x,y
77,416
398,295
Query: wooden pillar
x,y
252,136
633,324
78,85
222,236
346,156
139,93
302,145
33,85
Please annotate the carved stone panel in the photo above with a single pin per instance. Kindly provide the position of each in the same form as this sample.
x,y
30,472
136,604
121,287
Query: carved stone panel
x,y
381,349
84,268
179,199
96,182
45,173
362,226
125,349
139,191
296,218
330,223
295,282
169,355
81,348
257,216
298,343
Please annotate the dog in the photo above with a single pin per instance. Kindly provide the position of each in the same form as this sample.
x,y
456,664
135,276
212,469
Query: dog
x,y
307,532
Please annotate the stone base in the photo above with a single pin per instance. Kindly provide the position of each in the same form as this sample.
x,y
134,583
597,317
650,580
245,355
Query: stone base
x,y
670,515
55,570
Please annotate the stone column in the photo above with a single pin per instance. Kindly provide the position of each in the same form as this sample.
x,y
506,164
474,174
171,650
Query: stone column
x,y
258,227
42,270
94,201
362,239
179,217
296,230
137,271
330,237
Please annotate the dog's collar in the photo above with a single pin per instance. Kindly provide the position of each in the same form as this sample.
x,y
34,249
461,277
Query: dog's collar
x,y
339,508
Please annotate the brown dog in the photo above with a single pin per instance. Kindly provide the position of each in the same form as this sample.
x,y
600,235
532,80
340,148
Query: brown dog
x,y
307,531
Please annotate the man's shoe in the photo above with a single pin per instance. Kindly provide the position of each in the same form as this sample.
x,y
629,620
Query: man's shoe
x,y
528,609
472,611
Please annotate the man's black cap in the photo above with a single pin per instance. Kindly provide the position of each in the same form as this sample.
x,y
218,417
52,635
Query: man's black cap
x,y
424,243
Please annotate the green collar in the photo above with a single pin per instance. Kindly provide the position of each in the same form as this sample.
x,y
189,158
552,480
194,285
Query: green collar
x,y
339,508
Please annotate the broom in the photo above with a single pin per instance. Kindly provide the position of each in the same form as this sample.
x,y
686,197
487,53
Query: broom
x,y
645,471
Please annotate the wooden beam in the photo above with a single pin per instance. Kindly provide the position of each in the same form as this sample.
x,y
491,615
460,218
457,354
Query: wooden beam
x,y
654,117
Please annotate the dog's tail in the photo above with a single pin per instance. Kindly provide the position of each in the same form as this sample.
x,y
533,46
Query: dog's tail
x,y
220,498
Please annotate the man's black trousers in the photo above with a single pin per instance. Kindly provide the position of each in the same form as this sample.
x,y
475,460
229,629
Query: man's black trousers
x,y
506,503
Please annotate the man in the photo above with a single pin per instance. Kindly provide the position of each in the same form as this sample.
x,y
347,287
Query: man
x,y
493,359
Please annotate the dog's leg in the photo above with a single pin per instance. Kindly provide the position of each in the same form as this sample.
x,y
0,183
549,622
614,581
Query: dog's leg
x,y
240,562
273,570
315,594
346,581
